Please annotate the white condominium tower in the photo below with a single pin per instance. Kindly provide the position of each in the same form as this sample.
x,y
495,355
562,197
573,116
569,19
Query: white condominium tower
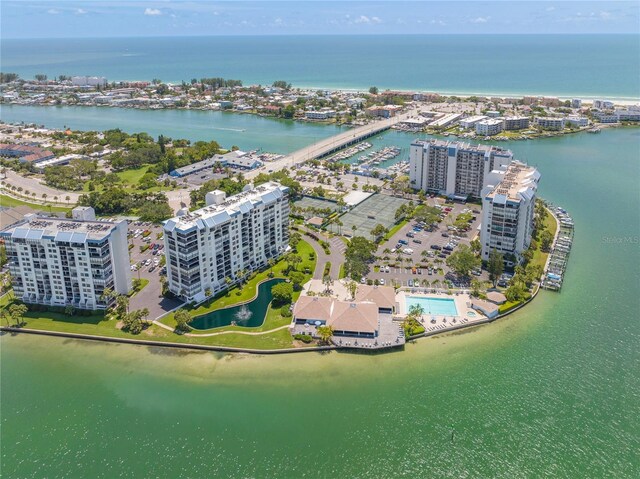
x,y
61,262
508,206
227,237
453,168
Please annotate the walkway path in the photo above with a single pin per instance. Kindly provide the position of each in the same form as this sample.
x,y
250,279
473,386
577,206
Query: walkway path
x,y
246,333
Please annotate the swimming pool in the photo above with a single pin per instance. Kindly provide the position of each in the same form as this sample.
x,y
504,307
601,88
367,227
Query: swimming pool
x,y
438,306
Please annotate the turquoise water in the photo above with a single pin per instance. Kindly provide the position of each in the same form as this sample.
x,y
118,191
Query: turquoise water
x,y
549,392
507,64
247,131
249,315
439,306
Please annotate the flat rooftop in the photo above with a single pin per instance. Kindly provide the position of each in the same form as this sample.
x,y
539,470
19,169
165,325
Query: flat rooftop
x,y
73,231
214,214
460,145
518,179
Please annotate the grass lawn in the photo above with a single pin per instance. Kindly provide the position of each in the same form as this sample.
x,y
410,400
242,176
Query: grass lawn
x,y
132,177
394,229
99,326
509,305
143,283
273,318
551,225
8,201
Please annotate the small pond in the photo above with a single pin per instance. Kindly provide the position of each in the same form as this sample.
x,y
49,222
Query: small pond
x,y
249,315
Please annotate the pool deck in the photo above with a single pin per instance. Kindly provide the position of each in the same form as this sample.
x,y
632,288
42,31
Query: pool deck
x,y
434,323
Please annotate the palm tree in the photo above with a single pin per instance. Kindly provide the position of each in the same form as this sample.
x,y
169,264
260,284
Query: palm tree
x,y
68,198
241,276
44,197
328,282
271,263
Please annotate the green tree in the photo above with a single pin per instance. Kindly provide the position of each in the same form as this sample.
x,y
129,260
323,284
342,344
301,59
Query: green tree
x,y
477,287
378,231
373,90
495,266
293,260
296,278
352,287
546,240
155,212
463,261
358,255
325,333
282,293
183,318
17,312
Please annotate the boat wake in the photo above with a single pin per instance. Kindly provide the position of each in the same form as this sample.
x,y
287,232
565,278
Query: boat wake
x,y
229,129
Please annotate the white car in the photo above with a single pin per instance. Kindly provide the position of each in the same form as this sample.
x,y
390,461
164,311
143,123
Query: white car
x,y
407,251
382,281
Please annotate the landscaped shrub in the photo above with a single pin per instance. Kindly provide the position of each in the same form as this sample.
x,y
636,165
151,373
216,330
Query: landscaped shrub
x,y
305,338
285,311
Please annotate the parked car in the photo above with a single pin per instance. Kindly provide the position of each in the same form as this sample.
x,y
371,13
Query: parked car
x,y
436,247
417,241
382,281
410,234
410,282
445,234
404,242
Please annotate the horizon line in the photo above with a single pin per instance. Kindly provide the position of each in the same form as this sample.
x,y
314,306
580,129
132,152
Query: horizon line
x,y
329,35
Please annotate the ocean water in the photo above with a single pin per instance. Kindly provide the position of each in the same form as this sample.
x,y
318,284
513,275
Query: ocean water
x,y
549,392
563,65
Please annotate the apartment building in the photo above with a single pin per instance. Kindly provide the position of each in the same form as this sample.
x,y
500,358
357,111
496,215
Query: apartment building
x,y
516,123
549,123
489,127
576,120
319,115
227,238
61,262
508,206
471,121
453,168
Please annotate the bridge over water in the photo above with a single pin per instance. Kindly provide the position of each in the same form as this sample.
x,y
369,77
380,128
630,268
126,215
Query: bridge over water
x,y
333,144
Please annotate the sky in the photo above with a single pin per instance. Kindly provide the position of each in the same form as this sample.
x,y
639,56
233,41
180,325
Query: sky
x,y
116,18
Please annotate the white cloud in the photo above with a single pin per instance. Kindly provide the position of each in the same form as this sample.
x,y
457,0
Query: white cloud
x,y
550,9
605,15
81,11
437,22
152,12
53,11
480,20
367,20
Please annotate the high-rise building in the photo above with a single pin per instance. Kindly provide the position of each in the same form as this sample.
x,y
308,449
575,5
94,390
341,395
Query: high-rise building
x,y
452,168
508,207
226,238
61,262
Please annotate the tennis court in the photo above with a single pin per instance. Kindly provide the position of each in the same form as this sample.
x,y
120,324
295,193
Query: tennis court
x,y
377,209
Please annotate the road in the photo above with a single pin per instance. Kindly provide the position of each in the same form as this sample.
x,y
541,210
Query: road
x,y
322,147
176,197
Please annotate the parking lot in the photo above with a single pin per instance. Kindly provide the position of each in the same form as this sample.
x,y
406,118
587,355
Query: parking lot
x,y
146,265
423,257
